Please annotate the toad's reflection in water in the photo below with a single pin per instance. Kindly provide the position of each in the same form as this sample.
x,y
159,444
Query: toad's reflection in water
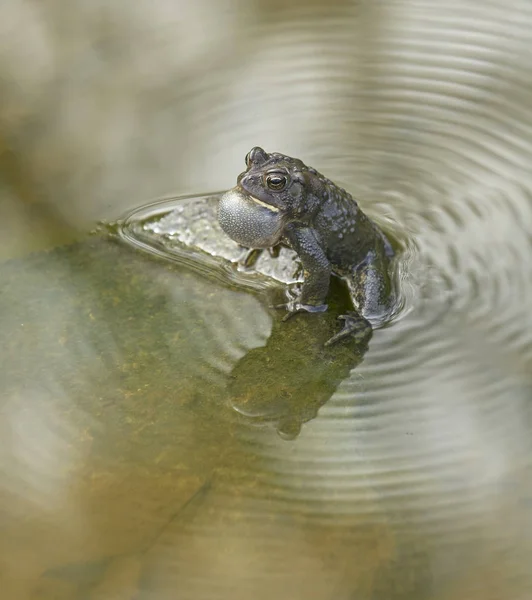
x,y
285,382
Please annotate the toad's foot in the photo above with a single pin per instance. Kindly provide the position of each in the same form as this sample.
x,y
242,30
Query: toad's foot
x,y
355,326
294,307
250,256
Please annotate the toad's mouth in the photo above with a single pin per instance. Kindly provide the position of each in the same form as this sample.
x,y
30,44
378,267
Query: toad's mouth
x,y
270,207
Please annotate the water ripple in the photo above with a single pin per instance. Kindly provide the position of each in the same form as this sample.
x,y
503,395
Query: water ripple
x,y
434,424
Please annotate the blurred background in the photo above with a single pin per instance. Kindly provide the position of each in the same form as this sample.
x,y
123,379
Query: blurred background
x,y
125,470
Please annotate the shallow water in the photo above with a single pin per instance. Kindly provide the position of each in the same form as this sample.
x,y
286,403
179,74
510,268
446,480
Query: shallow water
x,y
165,435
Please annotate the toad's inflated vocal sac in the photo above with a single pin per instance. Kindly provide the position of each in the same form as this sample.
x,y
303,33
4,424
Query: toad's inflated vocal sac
x,y
279,200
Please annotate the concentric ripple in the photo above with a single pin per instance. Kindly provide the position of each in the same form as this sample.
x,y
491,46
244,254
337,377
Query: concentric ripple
x,y
423,111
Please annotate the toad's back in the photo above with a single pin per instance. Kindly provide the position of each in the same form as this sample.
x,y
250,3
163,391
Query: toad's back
x,y
348,235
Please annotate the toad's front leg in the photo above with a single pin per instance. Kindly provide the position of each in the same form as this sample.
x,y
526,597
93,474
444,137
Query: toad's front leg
x,y
316,271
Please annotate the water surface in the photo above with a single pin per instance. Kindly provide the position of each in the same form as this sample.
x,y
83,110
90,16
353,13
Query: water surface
x,y
164,435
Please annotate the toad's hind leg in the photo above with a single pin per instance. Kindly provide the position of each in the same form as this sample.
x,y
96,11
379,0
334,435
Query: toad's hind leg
x,y
371,289
355,327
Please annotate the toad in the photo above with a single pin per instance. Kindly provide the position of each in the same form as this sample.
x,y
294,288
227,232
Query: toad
x,y
278,200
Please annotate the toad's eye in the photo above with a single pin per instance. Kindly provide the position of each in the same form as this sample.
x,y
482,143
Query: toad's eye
x,y
276,181
248,159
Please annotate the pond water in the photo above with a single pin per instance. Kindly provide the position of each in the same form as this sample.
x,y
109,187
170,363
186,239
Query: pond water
x,y
166,436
